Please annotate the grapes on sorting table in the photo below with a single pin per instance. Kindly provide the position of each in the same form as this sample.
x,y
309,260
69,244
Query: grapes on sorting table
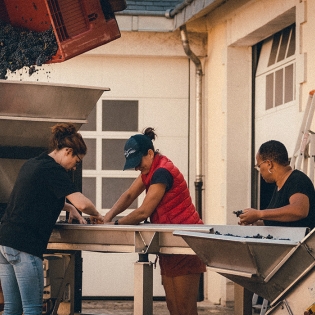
x,y
258,236
20,48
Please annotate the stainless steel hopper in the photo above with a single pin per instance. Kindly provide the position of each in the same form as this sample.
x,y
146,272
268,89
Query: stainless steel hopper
x,y
28,109
266,266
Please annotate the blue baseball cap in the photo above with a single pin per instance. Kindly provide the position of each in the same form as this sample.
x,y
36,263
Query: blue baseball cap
x,y
135,148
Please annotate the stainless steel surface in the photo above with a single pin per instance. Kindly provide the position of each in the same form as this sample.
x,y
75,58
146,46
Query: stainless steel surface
x,y
142,238
9,169
28,109
264,266
297,299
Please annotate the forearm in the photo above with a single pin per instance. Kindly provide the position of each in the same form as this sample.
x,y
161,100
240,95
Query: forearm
x,y
289,213
73,213
135,217
88,207
254,216
150,203
83,204
68,207
121,205
297,209
90,210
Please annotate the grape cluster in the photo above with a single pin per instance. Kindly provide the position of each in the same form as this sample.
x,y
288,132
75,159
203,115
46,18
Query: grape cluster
x,y
238,212
268,237
74,221
24,48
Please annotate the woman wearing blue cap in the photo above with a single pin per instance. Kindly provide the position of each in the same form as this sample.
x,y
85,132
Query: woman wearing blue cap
x,y
167,201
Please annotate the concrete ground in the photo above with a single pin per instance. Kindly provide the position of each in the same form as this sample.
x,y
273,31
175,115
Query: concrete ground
x,y
107,307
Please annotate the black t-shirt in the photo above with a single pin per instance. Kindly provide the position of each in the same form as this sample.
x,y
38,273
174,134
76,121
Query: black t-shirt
x,y
35,203
297,182
162,176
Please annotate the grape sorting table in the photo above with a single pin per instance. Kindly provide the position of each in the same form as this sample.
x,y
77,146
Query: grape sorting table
x,y
265,260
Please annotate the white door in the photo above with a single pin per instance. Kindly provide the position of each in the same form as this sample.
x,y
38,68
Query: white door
x,y
275,95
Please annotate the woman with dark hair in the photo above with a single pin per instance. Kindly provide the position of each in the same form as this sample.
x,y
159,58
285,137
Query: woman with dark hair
x,y
38,196
293,200
167,201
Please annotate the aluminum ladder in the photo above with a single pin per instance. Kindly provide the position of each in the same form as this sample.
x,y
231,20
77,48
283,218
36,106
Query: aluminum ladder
x,y
303,157
257,306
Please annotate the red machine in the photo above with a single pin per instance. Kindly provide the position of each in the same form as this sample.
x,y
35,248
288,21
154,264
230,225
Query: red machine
x,y
79,25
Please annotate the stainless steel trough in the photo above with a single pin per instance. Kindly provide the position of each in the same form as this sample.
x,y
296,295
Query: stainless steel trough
x,y
266,266
141,239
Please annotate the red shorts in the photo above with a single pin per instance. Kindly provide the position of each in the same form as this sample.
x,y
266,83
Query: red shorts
x,y
180,265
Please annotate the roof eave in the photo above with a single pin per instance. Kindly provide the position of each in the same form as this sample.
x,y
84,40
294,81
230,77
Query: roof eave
x,y
189,11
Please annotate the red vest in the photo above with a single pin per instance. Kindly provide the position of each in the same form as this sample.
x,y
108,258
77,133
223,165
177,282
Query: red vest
x,y
176,206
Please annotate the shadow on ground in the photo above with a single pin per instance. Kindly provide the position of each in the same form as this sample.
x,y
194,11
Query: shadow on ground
x,y
108,307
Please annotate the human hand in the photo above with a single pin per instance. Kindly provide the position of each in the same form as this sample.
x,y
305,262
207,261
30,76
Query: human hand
x,y
99,219
249,216
107,218
80,219
75,215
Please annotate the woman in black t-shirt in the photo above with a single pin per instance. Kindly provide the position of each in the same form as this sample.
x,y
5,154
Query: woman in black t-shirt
x,y
293,200
38,196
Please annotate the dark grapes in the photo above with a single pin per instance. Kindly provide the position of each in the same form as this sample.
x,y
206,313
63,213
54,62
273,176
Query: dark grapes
x,y
20,48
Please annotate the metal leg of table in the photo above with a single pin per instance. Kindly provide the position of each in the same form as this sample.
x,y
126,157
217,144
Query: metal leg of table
x,y
242,300
143,286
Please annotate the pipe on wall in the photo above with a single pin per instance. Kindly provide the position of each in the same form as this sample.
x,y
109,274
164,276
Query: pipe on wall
x,y
198,144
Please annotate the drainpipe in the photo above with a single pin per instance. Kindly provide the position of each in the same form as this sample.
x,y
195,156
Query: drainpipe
x,y
196,61
198,180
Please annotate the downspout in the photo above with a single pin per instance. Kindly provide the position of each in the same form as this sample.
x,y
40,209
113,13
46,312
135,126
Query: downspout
x,y
199,176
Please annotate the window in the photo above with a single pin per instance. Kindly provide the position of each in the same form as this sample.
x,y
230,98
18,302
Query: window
x,y
116,186
277,63
109,125
283,45
113,154
120,115
90,158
